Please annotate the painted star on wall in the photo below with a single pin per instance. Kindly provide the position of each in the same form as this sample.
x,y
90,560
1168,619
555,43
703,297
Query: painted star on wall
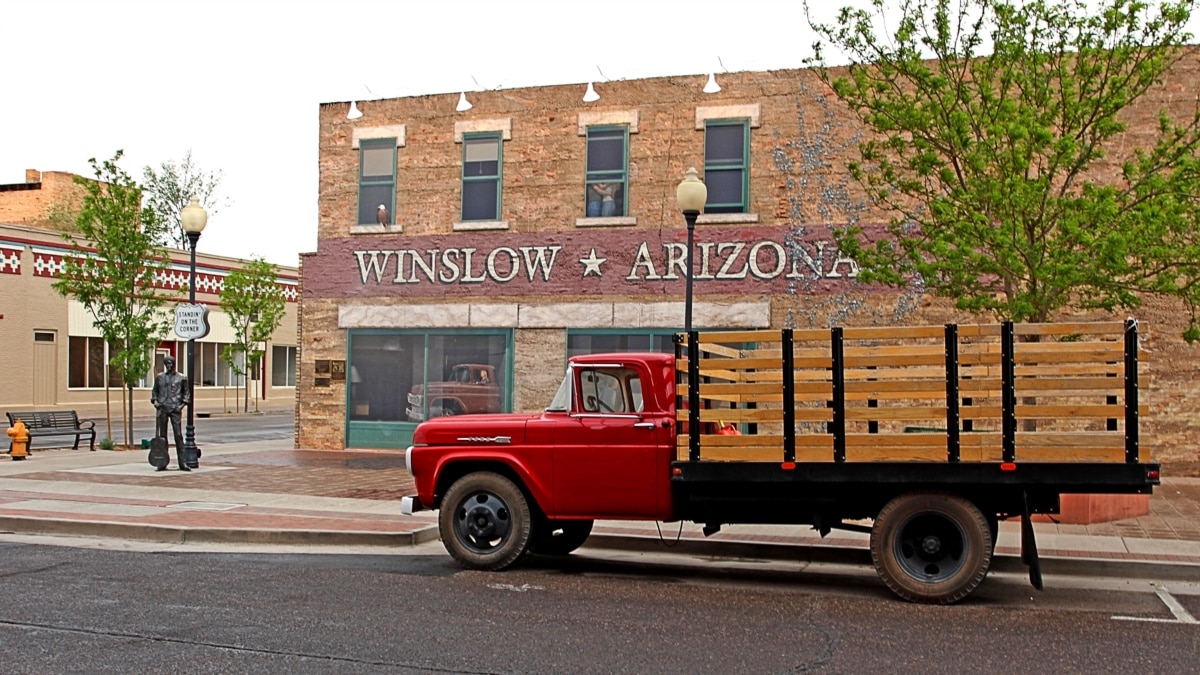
x,y
592,264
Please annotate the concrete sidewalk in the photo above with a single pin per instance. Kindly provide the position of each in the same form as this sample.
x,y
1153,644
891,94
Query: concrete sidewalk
x,y
269,493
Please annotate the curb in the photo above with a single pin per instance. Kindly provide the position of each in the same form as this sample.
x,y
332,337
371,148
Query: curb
x,y
205,535
716,550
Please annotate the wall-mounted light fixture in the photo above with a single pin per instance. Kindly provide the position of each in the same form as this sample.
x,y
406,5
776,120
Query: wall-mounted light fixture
x,y
712,87
354,112
463,104
590,95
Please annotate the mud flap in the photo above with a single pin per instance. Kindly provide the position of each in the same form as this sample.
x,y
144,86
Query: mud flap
x,y
1029,553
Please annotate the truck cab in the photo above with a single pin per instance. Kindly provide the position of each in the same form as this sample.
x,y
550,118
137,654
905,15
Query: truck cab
x,y
602,448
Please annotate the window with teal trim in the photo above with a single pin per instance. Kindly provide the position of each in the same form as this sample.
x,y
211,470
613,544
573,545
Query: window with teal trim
x,y
607,171
600,342
376,181
411,377
481,177
727,165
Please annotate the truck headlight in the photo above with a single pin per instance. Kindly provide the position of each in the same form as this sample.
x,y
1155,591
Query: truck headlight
x,y
408,459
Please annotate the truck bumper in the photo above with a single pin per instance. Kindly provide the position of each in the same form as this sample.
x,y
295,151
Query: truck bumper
x,y
410,505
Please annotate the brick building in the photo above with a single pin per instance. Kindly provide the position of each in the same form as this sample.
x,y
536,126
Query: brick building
x,y
53,357
534,225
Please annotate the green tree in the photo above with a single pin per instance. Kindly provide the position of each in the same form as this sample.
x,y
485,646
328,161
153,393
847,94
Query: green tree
x,y
999,143
172,186
116,281
254,302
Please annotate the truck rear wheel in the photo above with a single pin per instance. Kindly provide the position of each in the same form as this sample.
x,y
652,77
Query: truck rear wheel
x,y
485,521
559,537
931,547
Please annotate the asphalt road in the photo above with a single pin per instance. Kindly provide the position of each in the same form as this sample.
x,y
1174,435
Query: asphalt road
x,y
134,608
215,429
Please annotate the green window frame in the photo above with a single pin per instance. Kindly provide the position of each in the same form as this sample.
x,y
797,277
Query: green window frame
x,y
384,365
376,180
482,168
727,165
607,172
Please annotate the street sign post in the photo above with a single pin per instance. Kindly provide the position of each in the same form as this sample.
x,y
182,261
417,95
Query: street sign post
x,y
191,321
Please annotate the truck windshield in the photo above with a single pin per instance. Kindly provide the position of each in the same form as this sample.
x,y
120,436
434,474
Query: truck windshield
x,y
562,400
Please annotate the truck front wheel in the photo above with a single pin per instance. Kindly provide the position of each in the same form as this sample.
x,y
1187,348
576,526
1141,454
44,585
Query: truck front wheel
x,y
931,547
485,521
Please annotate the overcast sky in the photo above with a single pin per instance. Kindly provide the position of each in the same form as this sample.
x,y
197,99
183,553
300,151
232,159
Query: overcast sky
x,y
239,82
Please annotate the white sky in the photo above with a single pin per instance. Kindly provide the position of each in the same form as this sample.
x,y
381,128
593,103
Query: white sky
x,y
238,82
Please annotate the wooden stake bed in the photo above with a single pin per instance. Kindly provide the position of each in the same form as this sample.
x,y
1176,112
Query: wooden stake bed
x,y
1057,393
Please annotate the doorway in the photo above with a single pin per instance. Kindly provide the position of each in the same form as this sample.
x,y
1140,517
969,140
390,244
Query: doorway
x,y
45,368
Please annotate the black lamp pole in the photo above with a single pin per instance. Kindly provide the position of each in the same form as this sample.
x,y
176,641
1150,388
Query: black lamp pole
x,y
690,197
189,432
690,217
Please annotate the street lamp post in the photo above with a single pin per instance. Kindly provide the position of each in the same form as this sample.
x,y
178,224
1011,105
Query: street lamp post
x,y
193,219
690,197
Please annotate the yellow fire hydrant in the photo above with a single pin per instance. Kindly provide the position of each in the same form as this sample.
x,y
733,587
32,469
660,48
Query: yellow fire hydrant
x,y
20,441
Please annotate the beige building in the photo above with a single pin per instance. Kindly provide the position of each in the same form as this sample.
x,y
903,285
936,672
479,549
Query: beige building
x,y
514,228
53,357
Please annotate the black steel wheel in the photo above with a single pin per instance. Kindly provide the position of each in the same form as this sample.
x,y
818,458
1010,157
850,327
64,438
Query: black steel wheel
x,y
485,521
931,547
559,537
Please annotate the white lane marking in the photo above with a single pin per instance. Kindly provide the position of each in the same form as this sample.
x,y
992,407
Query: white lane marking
x,y
519,589
1177,610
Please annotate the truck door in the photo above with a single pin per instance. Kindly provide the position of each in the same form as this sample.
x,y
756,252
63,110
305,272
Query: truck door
x,y
605,454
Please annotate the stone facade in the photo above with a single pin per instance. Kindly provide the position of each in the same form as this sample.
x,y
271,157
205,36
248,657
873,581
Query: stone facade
x,y
424,269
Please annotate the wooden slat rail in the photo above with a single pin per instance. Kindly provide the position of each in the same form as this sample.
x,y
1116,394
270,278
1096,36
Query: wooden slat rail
x,y
890,399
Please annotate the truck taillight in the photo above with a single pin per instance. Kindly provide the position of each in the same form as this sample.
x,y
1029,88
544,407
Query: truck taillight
x,y
1152,474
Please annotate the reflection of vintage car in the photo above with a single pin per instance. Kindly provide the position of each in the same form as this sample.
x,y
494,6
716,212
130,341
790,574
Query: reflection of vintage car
x,y
471,388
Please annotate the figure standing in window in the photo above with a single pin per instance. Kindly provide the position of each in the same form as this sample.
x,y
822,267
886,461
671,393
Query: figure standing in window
x,y
602,200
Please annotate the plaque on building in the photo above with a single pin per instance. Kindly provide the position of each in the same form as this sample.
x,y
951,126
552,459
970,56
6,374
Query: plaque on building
x,y
320,381
337,370
322,367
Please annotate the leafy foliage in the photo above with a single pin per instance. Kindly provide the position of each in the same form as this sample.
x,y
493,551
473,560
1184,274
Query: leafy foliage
x,y
255,304
62,214
1017,190
172,186
116,282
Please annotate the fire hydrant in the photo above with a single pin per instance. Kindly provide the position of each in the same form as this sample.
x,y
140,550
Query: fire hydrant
x,y
20,441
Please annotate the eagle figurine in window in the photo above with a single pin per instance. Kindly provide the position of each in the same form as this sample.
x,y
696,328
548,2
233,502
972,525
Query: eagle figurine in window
x,y
382,216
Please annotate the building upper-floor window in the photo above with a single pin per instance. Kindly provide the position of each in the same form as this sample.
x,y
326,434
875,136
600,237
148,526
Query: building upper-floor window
x,y
376,181
607,171
727,165
481,177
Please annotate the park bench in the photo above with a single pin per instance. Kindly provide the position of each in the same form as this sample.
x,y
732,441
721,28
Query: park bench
x,y
44,424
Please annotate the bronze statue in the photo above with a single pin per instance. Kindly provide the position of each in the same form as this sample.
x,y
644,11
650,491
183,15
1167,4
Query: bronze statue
x,y
171,392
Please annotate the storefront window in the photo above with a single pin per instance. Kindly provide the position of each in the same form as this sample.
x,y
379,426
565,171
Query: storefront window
x,y
600,342
408,377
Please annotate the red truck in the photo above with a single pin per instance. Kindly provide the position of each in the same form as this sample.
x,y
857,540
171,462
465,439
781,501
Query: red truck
x,y
925,437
